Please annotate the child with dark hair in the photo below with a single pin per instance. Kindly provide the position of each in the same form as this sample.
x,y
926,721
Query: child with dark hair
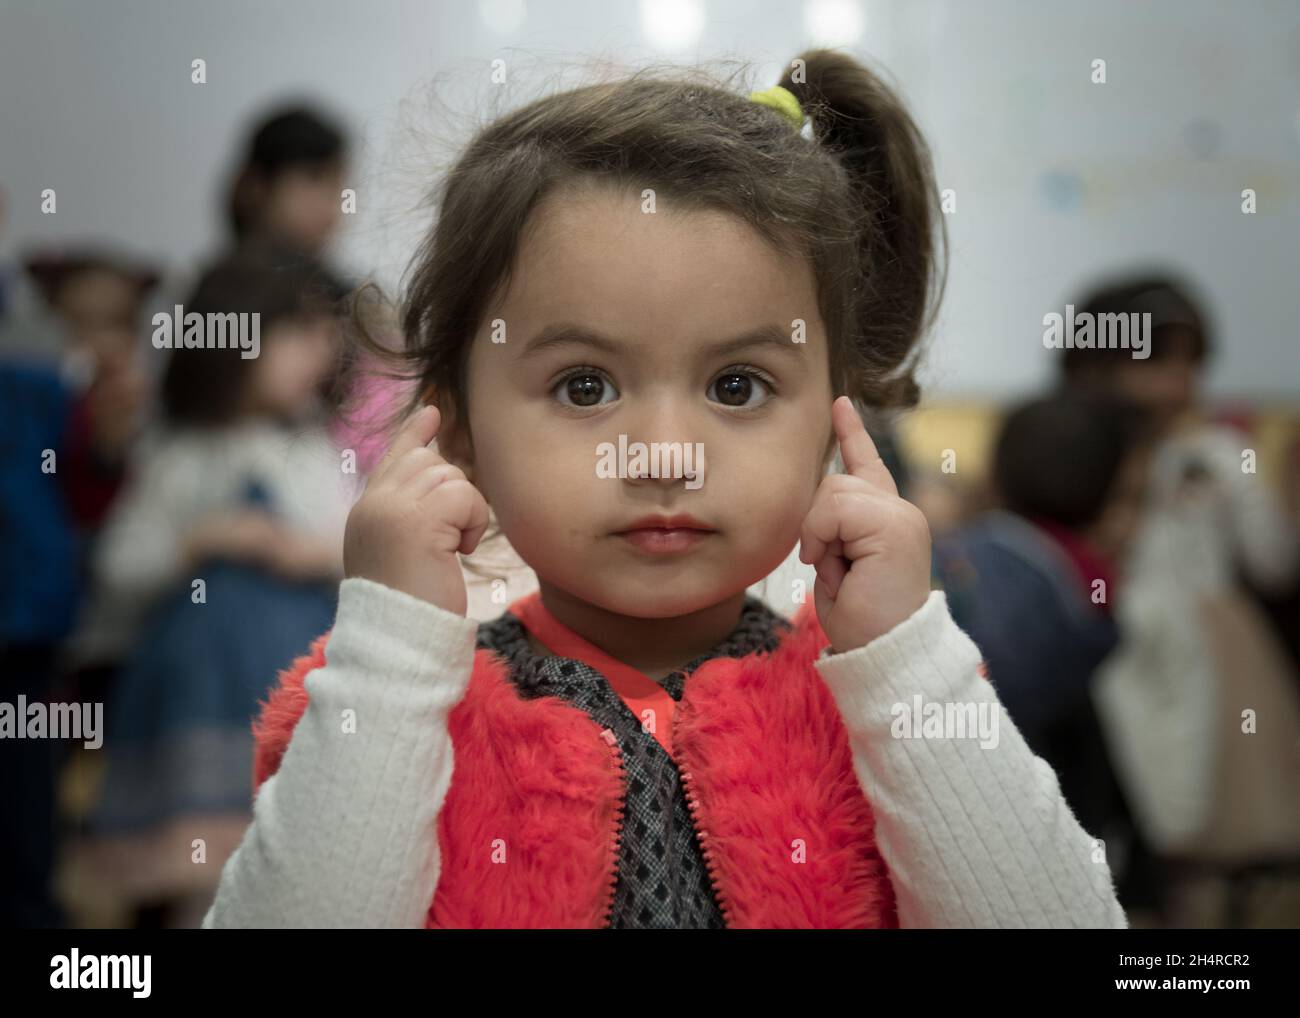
x,y
1197,650
1070,460
98,297
220,557
285,203
287,187
639,743
285,200
1165,381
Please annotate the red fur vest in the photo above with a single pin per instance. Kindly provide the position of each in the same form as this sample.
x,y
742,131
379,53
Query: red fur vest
x,y
786,832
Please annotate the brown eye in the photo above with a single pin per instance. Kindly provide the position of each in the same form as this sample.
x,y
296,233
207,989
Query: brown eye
x,y
735,389
584,388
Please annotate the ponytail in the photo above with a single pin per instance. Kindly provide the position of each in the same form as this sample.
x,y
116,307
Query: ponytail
x,y
903,239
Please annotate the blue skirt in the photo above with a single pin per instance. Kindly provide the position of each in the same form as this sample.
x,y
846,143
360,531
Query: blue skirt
x,y
179,738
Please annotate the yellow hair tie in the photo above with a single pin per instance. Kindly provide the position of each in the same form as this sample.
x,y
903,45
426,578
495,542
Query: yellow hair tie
x,y
783,101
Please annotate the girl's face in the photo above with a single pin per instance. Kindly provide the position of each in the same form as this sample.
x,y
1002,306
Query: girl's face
x,y
665,327
100,307
296,357
1165,385
302,205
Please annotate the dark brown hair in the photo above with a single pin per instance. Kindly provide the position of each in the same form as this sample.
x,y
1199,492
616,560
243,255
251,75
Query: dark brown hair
x,y
1057,457
1172,302
288,138
52,269
858,199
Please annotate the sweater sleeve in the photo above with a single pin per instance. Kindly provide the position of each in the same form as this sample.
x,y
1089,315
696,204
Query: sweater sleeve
x,y
344,832
971,823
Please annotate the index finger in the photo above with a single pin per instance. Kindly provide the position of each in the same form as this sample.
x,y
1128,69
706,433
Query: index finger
x,y
419,430
857,450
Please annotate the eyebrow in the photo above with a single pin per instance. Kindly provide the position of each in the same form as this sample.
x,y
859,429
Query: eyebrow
x,y
564,334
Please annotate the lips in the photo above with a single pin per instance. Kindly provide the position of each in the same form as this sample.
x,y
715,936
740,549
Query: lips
x,y
682,521
665,535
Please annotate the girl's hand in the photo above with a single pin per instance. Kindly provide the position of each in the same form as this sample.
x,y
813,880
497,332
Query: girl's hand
x,y
871,548
417,512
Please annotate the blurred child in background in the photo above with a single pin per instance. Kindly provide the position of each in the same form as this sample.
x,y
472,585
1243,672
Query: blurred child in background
x,y
221,557
99,300
286,202
285,194
71,399
1198,661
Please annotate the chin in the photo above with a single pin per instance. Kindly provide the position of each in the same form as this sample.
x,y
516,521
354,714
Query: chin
x,y
666,597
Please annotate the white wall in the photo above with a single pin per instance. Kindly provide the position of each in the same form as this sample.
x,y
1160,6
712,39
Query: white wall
x,y
1056,178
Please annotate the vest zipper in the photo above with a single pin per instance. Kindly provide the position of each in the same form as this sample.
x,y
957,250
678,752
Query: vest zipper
x,y
693,804
617,839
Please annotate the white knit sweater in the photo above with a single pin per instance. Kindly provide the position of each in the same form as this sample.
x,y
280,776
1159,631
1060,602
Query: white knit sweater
x,y
344,833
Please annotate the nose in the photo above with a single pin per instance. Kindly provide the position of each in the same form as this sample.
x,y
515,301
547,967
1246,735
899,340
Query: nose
x,y
664,446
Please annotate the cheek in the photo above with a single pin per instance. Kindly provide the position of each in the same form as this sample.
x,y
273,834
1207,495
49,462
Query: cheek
x,y
766,500
286,373
546,480
305,208
321,205
327,211
271,378
789,510
520,479
325,355
552,526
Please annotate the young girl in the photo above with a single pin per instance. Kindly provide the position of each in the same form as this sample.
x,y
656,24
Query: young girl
x,y
638,743
220,559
